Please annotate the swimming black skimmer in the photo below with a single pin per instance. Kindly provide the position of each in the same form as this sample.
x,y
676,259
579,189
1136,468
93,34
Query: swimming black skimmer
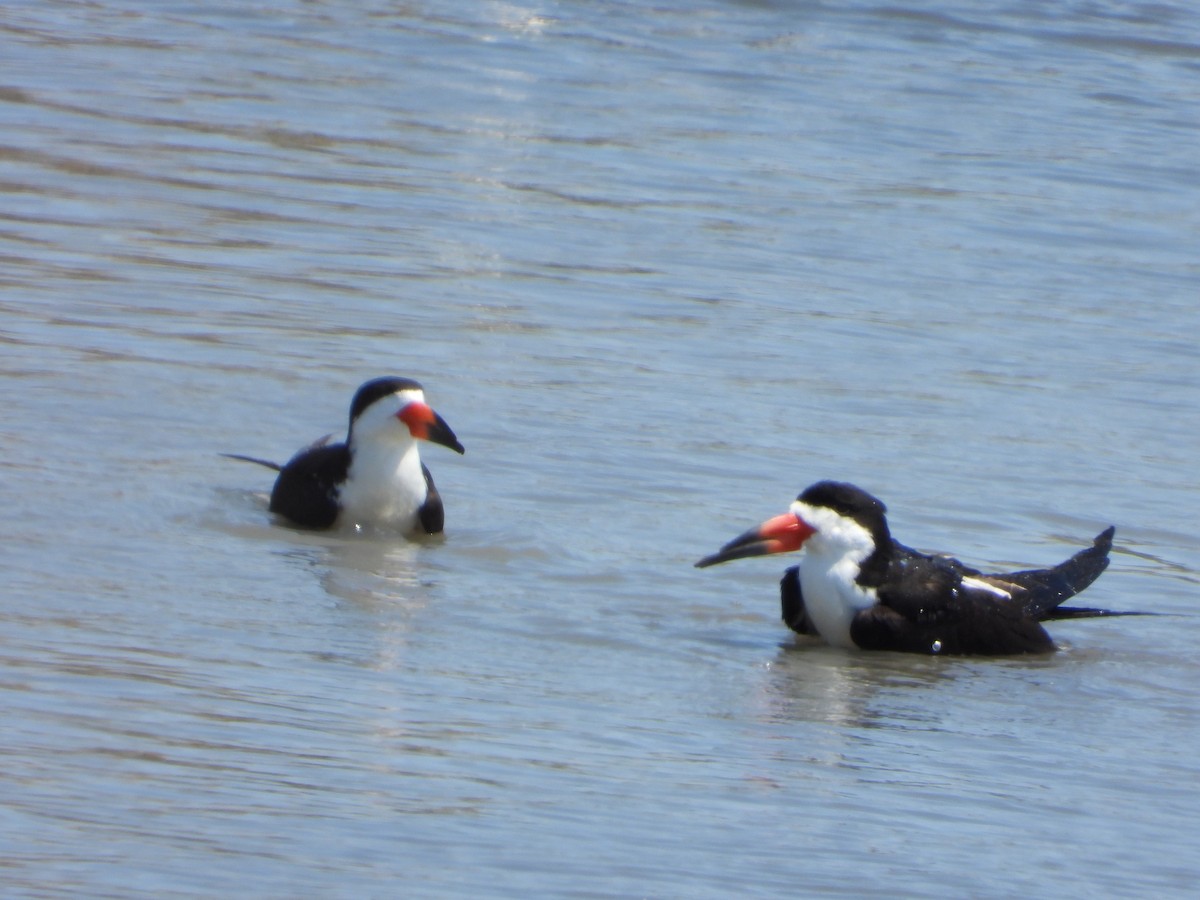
x,y
376,478
857,587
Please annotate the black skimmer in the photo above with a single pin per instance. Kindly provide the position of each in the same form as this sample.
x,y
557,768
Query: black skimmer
x,y
856,587
375,479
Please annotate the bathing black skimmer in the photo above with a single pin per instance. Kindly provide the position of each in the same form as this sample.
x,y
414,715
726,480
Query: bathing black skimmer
x,y
858,588
376,478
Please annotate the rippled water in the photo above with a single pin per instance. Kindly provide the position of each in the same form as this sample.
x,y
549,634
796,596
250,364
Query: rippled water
x,y
660,268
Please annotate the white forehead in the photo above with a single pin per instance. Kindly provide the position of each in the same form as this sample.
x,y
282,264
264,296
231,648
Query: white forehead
x,y
397,401
833,529
385,408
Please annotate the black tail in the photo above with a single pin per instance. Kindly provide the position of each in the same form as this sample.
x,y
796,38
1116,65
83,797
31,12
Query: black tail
x,y
1088,612
250,459
1049,587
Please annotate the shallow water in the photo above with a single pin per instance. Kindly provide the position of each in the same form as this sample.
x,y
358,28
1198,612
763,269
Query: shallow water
x,y
659,268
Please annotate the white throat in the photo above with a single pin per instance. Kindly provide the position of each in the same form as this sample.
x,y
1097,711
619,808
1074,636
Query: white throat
x,y
830,564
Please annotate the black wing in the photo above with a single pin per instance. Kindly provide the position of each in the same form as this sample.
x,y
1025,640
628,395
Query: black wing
x,y
432,514
926,607
935,604
306,490
1041,591
1047,588
795,615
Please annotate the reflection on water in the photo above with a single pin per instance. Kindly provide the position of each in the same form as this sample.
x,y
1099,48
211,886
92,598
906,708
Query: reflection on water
x,y
815,683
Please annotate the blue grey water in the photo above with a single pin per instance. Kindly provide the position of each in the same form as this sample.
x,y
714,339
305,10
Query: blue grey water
x,y
660,266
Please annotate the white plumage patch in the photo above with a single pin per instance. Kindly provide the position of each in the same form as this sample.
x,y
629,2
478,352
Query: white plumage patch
x,y
978,584
831,562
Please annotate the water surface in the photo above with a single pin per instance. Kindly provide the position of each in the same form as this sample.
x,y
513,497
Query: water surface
x,y
660,268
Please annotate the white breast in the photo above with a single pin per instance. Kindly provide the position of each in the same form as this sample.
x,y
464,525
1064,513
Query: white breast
x,y
832,598
831,563
384,488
